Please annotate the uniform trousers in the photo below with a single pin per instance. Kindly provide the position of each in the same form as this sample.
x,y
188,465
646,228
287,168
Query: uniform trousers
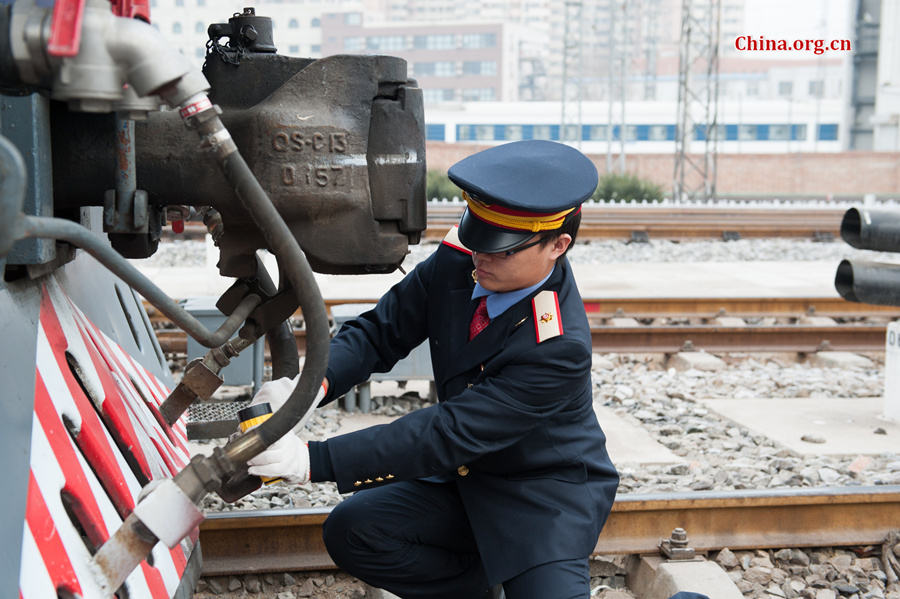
x,y
414,540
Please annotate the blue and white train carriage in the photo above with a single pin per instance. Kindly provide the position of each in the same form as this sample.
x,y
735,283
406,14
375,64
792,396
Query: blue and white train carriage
x,y
650,127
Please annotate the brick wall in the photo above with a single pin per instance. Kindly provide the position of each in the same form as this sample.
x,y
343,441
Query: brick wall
x,y
844,173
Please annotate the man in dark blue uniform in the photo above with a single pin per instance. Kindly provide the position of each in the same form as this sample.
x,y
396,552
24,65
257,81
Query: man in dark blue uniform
x,y
506,479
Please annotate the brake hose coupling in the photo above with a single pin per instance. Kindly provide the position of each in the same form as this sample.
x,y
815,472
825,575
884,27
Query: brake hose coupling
x,y
200,114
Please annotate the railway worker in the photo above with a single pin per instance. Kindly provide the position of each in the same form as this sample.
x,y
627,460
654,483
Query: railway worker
x,y
506,479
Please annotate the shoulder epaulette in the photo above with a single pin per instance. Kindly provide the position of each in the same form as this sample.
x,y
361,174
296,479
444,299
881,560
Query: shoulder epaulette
x,y
452,239
547,320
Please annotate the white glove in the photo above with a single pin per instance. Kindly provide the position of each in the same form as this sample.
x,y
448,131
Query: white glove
x,y
286,458
276,392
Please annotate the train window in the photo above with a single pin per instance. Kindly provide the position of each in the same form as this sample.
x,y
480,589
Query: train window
x,y
434,132
597,132
512,132
779,132
798,132
747,132
631,133
828,132
543,132
484,132
785,88
569,133
658,133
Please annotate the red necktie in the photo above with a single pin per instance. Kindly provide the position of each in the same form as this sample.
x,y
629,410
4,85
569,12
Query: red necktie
x,y
480,319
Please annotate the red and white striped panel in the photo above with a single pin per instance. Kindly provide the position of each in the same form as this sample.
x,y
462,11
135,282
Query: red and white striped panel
x,y
94,405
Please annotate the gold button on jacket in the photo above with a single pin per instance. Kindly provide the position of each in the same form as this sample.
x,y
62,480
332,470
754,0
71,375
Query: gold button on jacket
x,y
463,470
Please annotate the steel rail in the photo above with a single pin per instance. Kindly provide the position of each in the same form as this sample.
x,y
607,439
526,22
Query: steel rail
x,y
614,221
676,307
291,539
675,338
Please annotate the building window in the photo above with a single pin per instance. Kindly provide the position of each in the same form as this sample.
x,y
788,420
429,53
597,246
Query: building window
x,y
354,44
478,94
353,18
423,69
315,22
753,88
434,42
384,43
176,27
199,27
444,69
315,49
486,67
785,88
294,49
817,88
199,52
179,2
293,24
432,95
201,2
479,40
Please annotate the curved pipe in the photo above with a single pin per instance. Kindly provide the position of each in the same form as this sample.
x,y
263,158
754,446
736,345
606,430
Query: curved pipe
x,y
298,272
12,192
282,344
868,282
872,229
66,230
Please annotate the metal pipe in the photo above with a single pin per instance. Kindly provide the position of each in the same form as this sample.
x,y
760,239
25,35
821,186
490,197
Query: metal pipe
x,y
12,192
282,344
66,230
872,229
868,282
200,114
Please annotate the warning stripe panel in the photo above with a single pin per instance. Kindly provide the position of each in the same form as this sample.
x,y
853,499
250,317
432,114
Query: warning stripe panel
x,y
69,509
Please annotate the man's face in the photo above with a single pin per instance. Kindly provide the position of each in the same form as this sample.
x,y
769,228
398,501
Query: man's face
x,y
499,272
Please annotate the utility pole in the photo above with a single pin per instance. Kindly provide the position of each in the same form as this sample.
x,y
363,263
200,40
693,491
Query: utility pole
x,y
618,74
572,72
698,99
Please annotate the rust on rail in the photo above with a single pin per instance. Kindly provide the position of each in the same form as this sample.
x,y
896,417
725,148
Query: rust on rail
x,y
280,540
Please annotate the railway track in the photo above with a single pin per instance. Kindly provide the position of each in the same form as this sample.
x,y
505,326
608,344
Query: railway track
x,y
291,539
668,325
662,221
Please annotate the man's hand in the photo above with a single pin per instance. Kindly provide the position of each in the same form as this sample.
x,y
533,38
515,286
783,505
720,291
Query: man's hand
x,y
276,392
286,458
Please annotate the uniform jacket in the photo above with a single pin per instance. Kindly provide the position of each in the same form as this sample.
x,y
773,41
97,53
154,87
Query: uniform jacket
x,y
514,426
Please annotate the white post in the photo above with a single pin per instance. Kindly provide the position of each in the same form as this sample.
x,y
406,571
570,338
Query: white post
x,y
892,373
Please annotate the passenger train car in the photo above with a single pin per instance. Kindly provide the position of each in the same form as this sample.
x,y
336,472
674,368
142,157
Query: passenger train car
x,y
650,127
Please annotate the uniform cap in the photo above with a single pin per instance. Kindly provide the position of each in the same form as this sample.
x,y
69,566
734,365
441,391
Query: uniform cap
x,y
516,190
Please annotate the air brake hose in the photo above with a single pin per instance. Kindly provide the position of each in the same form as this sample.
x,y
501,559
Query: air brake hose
x,y
282,344
200,114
